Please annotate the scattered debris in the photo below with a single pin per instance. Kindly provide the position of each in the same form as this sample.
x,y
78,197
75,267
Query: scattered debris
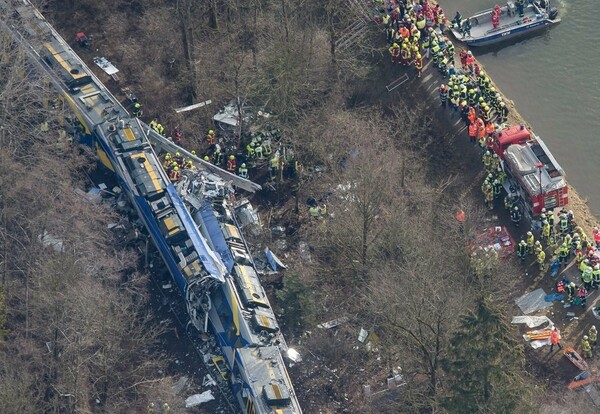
x,y
304,252
273,260
107,67
531,321
194,106
115,226
496,238
92,196
221,366
208,381
278,231
532,301
294,355
50,241
180,385
362,335
395,381
198,399
333,323
247,215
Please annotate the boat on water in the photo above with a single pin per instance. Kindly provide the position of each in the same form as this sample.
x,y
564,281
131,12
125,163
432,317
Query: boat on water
x,y
506,22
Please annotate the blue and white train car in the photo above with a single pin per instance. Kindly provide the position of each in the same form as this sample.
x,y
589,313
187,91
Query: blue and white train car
x,y
199,239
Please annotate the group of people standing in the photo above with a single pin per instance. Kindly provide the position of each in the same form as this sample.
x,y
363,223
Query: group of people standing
x,y
415,31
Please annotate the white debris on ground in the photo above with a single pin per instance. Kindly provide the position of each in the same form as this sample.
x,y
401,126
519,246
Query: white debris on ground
x,y
198,399
533,301
531,321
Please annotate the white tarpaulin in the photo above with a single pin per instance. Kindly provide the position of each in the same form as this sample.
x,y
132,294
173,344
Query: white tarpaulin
x,y
531,321
533,301
539,343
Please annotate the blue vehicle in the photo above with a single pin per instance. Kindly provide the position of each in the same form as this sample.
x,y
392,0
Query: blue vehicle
x,y
511,23
192,224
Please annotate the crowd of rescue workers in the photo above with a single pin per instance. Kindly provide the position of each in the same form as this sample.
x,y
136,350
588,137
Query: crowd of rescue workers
x,y
254,152
416,32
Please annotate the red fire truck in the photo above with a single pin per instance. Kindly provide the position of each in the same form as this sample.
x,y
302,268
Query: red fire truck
x,y
532,172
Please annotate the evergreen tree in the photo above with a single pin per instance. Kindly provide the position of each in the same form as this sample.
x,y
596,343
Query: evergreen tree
x,y
296,299
485,364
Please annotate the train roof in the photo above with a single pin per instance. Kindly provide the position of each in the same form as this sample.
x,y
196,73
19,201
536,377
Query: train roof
x,y
268,380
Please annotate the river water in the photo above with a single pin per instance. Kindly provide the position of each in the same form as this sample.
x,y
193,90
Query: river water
x,y
553,79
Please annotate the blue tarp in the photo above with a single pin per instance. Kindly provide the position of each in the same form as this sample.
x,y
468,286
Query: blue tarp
x,y
216,235
554,297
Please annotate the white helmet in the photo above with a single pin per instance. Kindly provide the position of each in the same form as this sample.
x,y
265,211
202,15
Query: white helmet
x,y
529,233
585,337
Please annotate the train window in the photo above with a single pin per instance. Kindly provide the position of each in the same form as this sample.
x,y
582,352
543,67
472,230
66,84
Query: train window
x,y
141,160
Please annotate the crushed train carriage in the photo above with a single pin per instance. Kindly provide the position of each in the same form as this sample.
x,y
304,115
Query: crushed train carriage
x,y
192,225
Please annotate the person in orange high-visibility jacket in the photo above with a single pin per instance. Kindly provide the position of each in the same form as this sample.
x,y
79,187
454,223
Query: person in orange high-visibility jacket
x,y
473,132
480,128
471,116
404,32
555,339
489,129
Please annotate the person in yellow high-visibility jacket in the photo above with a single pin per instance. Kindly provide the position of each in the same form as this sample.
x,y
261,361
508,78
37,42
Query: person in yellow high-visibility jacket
x,y
541,258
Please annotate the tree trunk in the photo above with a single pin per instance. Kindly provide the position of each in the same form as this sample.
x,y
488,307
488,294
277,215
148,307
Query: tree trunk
x,y
213,21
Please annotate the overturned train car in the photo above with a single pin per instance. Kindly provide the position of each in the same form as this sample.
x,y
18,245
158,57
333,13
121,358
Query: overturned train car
x,y
192,225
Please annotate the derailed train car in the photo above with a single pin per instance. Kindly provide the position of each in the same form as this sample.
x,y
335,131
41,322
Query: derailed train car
x,y
192,225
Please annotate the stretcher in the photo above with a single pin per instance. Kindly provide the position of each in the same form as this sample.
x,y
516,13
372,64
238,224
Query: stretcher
x,y
537,334
583,379
575,359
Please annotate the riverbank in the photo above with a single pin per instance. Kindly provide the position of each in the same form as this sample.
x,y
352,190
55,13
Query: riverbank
x,y
583,214
556,369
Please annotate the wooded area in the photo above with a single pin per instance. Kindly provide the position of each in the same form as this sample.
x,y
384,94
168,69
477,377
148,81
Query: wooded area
x,y
77,335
